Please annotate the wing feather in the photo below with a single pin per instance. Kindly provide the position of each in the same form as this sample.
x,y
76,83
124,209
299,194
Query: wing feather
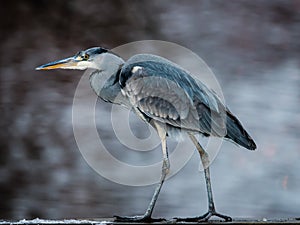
x,y
167,93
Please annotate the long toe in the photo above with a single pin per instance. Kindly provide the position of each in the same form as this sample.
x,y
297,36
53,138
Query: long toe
x,y
204,217
210,214
144,219
226,218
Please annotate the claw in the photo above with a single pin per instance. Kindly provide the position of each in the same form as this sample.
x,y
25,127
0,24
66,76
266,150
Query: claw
x,y
205,217
145,219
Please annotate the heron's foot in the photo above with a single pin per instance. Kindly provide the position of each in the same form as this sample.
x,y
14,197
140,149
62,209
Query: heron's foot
x,y
143,219
205,217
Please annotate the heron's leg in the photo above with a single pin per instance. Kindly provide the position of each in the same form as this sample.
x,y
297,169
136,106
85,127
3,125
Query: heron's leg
x,y
211,206
165,170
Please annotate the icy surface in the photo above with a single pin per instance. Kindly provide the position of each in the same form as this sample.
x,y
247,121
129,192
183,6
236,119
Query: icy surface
x,y
43,221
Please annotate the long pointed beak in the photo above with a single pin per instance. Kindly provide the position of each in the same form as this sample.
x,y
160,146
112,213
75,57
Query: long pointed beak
x,y
67,63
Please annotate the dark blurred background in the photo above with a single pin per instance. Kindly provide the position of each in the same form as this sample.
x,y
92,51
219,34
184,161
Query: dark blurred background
x,y
253,48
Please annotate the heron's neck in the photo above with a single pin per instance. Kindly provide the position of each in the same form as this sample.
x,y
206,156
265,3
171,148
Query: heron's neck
x,y
105,82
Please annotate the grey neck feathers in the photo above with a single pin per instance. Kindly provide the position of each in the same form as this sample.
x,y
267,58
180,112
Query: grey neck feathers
x,y
105,80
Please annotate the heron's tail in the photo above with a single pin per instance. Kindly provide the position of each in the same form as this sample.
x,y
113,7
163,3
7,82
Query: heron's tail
x,y
237,133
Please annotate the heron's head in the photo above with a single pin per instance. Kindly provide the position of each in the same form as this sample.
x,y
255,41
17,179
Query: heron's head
x,y
90,58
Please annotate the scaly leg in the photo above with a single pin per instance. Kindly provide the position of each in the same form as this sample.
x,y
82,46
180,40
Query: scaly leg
x,y
211,206
165,170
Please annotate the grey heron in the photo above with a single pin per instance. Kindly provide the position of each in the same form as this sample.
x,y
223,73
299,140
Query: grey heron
x,y
166,96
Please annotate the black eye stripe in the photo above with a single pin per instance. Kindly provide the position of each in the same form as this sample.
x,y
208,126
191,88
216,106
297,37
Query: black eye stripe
x,y
78,54
85,55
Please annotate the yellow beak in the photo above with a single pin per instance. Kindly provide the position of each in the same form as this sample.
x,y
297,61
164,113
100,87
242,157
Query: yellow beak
x,y
67,63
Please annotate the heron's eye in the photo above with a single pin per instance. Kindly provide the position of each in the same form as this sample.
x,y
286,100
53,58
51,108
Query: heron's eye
x,y
85,56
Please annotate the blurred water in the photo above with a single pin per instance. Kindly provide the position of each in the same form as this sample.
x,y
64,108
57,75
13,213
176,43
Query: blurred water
x,y
253,49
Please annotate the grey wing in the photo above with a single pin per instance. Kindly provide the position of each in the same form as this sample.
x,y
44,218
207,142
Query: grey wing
x,y
171,71
164,100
